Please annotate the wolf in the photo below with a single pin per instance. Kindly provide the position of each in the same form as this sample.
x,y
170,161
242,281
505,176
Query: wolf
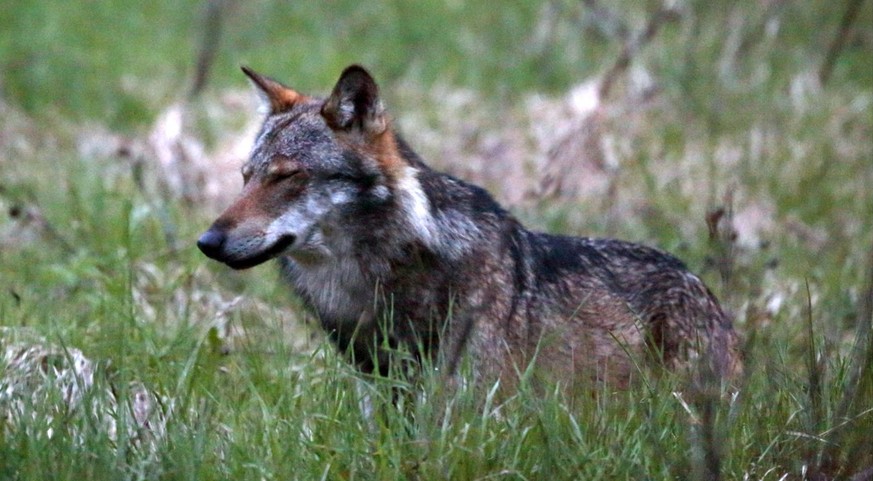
x,y
400,263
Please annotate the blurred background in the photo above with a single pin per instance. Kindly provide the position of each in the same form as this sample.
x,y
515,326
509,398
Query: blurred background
x,y
738,135
687,125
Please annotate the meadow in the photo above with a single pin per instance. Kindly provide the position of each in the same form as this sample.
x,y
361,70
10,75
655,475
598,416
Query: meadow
x,y
737,135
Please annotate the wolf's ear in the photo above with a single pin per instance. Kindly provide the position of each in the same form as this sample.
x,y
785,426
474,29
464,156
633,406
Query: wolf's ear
x,y
354,103
275,96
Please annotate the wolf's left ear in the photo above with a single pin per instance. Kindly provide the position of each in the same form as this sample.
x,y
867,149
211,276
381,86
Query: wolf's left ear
x,y
275,96
354,103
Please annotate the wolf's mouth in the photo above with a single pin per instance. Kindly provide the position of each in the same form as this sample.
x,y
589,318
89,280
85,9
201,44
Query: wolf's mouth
x,y
283,243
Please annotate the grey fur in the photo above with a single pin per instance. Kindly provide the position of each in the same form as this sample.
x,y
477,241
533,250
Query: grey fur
x,y
392,256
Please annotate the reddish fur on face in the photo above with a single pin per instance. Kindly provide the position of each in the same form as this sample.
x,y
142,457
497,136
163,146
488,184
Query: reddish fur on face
x,y
388,155
380,147
259,203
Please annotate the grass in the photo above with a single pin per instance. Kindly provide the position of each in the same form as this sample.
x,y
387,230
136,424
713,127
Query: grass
x,y
245,390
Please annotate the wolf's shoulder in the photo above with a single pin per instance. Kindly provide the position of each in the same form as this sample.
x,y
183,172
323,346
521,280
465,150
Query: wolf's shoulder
x,y
447,193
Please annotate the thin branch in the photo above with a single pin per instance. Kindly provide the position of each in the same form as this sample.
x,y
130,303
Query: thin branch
x,y
839,41
208,46
814,385
632,47
606,20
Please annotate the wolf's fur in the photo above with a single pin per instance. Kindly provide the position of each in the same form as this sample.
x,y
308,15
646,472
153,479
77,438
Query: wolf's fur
x,y
390,254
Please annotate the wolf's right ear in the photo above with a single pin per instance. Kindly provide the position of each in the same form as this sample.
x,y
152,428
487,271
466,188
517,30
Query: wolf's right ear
x,y
354,104
275,96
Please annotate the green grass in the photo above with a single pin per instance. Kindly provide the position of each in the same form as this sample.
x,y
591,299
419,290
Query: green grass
x,y
249,392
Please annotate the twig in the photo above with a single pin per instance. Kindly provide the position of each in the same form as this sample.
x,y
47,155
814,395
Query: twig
x,y
208,45
815,385
588,127
815,394
159,207
712,458
606,20
632,47
773,11
722,239
29,211
827,68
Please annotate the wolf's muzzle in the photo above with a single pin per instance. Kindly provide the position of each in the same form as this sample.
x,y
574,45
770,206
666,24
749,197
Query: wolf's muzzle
x,y
211,242
214,243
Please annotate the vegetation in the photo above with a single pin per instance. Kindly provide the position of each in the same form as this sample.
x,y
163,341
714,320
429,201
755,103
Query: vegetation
x,y
737,136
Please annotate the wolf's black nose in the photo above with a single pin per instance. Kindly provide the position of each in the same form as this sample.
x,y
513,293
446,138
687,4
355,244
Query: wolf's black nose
x,y
210,242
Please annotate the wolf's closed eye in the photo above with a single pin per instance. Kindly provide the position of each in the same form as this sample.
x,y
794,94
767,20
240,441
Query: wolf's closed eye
x,y
285,174
283,168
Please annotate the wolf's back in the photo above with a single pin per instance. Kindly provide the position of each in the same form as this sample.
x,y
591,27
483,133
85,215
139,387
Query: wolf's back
x,y
589,304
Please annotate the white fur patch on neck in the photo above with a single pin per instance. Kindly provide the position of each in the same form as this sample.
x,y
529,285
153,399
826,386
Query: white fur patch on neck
x,y
449,232
416,206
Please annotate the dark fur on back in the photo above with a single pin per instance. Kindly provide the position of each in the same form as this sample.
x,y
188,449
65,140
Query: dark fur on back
x,y
394,257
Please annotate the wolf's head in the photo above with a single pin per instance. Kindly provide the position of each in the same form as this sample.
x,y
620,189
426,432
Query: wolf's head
x,y
315,164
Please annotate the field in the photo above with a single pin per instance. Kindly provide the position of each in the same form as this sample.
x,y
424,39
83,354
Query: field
x,y
738,136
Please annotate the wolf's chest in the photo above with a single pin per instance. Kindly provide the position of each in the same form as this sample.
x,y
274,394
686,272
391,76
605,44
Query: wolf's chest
x,y
338,290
